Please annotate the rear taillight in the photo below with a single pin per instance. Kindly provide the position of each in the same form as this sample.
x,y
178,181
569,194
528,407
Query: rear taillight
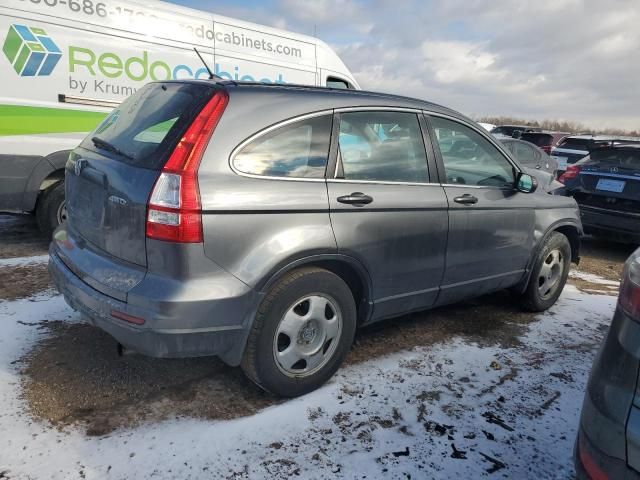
x,y
572,172
546,149
593,470
174,212
629,299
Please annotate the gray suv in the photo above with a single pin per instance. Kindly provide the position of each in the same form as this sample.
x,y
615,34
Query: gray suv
x,y
264,223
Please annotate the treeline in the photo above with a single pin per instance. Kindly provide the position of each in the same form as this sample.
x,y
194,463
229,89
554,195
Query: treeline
x,y
557,125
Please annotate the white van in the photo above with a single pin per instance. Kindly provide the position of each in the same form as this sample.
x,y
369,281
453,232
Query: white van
x,y
66,63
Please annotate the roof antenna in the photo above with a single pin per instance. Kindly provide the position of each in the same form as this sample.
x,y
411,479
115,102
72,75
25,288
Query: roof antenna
x,y
211,74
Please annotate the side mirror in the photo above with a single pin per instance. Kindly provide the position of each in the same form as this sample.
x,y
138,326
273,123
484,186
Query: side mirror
x,y
526,183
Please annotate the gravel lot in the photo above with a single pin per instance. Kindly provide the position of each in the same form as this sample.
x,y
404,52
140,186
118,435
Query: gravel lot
x,y
70,379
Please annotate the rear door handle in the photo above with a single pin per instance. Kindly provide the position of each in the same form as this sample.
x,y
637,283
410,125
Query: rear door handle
x,y
356,198
466,199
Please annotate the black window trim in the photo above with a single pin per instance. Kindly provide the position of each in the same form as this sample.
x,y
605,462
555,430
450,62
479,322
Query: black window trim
x,y
486,135
270,129
335,78
333,166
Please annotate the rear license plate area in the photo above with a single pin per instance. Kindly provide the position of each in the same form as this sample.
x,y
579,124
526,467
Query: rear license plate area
x,y
608,185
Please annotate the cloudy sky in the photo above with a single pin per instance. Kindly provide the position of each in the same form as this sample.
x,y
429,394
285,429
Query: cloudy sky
x,y
540,59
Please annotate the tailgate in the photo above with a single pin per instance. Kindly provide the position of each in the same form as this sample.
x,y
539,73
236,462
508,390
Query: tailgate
x,y
110,176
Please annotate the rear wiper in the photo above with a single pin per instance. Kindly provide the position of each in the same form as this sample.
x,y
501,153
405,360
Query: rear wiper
x,y
100,143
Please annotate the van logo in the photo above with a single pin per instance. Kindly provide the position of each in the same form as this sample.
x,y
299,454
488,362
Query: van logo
x,y
118,200
77,168
30,51
614,170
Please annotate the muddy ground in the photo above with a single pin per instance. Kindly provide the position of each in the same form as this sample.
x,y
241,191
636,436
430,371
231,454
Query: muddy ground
x,y
74,375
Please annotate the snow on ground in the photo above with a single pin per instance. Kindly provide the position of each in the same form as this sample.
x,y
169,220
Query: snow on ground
x,y
592,278
24,261
455,409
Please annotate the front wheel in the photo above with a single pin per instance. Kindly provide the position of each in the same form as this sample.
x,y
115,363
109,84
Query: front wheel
x,y
549,274
302,332
51,210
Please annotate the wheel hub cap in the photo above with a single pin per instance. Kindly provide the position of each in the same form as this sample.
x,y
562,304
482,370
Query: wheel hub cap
x,y
307,335
550,274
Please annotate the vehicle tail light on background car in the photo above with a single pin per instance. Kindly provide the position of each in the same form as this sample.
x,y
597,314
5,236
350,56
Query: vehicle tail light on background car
x,y
629,299
174,210
572,172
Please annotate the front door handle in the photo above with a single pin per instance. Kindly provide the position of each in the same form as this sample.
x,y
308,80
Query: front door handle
x,y
466,199
356,198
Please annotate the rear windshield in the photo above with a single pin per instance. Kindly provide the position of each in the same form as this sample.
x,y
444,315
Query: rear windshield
x,y
583,144
143,130
618,157
538,139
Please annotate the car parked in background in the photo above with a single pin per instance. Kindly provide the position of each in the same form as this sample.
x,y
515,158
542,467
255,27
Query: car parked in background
x,y
606,185
545,141
487,126
513,130
537,162
262,224
608,443
576,147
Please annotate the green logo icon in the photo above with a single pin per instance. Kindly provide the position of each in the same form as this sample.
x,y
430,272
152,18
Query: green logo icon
x,y
31,51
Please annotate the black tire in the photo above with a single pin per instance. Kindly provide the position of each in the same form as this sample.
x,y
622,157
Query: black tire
x,y
50,205
259,362
533,299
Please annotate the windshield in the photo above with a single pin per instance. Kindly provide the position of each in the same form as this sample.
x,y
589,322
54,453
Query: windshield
x,y
146,126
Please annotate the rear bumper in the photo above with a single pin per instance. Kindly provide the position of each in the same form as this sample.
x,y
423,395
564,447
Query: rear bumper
x,y
587,458
611,392
174,326
622,224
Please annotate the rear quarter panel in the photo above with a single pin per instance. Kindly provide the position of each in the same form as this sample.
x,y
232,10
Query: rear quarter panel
x,y
254,226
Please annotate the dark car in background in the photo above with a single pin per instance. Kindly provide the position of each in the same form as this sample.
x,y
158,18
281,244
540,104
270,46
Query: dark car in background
x,y
606,185
608,443
575,147
545,141
513,130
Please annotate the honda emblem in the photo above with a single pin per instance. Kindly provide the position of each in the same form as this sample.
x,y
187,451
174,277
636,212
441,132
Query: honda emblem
x,y
77,168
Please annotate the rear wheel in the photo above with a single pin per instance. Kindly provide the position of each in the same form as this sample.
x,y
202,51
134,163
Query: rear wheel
x,y
549,274
302,332
51,210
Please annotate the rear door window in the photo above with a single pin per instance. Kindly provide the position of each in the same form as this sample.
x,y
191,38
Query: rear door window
x,y
145,128
382,146
296,150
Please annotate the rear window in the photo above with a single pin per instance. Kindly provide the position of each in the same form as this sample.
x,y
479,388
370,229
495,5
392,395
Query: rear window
x,y
626,158
538,139
583,144
145,128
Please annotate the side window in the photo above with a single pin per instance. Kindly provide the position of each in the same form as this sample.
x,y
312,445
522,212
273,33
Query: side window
x,y
469,158
525,154
382,146
297,150
334,82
